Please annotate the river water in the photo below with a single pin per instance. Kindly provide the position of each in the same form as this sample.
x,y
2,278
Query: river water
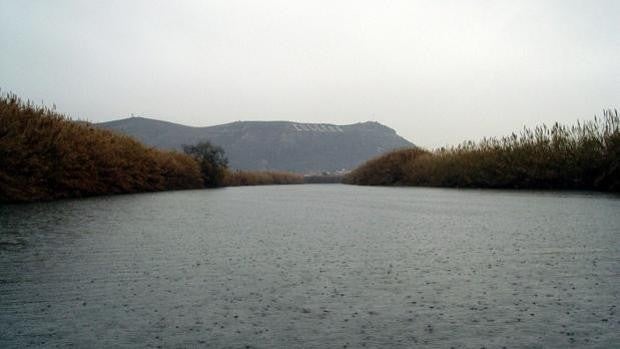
x,y
313,266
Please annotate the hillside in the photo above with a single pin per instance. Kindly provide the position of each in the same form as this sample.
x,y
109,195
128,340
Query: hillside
x,y
273,145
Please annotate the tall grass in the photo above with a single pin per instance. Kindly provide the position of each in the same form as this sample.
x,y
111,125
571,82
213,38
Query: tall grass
x,y
582,156
241,178
44,155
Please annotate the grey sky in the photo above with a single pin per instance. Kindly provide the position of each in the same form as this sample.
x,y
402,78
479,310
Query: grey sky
x,y
439,72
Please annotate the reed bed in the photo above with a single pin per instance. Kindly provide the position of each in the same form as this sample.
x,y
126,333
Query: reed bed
x,y
44,155
242,178
582,156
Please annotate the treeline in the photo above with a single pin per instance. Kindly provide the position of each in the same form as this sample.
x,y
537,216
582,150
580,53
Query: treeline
x,y
45,156
240,178
582,156
214,167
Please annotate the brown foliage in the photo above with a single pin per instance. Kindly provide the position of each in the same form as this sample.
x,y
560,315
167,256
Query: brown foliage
x,y
584,156
241,178
387,169
44,155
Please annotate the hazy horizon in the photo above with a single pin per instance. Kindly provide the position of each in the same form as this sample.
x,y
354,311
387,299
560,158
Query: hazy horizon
x,y
437,72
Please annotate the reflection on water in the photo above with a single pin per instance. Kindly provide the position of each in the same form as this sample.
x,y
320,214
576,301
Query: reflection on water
x,y
313,266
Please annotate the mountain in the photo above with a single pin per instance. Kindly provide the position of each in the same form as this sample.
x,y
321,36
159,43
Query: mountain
x,y
273,145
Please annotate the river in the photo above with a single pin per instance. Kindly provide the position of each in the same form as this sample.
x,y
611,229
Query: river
x,y
313,266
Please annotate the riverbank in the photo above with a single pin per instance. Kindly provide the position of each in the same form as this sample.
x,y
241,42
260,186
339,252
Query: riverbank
x,y
45,156
244,178
585,156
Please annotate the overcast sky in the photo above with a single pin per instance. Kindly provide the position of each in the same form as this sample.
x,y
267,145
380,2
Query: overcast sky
x,y
439,72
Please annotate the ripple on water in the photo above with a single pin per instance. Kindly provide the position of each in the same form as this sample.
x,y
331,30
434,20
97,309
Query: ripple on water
x,y
312,266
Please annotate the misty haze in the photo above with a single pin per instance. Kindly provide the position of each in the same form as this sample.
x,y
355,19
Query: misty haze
x,y
309,174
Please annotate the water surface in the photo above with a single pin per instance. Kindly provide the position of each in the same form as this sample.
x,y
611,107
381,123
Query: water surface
x,y
313,266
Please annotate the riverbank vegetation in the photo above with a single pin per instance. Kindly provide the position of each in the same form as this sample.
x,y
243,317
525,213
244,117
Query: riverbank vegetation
x,y
582,156
241,178
215,172
44,156
323,179
212,161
